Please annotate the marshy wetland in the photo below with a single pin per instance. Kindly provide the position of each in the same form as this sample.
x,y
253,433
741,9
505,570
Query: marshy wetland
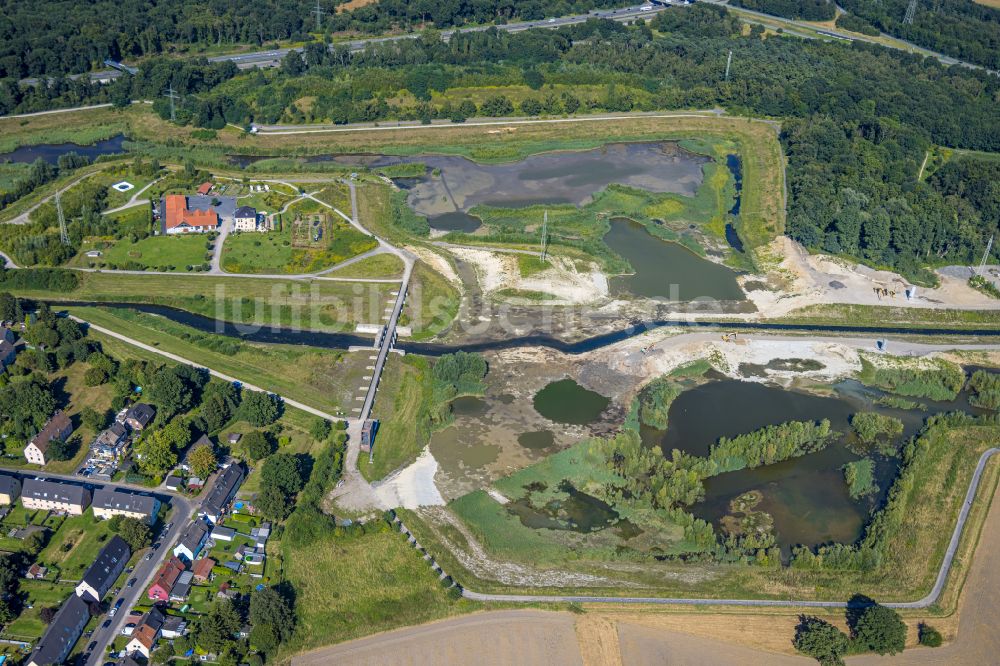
x,y
549,483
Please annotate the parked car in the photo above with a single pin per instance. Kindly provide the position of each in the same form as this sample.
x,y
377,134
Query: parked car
x,y
93,644
131,583
128,629
107,623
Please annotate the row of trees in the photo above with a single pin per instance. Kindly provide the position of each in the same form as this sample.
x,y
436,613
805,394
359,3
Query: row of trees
x,y
873,628
961,28
809,10
270,614
39,173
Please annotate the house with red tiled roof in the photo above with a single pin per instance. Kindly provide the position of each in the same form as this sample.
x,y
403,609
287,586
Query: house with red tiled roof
x,y
166,579
202,569
205,188
146,632
178,218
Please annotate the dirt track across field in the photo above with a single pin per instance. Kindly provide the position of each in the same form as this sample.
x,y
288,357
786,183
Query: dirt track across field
x,y
597,638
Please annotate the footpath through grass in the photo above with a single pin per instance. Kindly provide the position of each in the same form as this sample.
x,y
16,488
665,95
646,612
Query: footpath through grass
x,y
307,241
309,304
325,379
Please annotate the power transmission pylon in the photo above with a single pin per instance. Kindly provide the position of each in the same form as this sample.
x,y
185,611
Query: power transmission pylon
x,y
729,61
545,232
172,95
911,12
986,255
63,233
318,11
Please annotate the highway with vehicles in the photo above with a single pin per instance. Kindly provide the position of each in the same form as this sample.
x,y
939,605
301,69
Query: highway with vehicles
x,y
273,57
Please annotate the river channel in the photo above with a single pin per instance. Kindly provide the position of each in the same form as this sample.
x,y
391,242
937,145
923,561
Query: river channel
x,y
51,152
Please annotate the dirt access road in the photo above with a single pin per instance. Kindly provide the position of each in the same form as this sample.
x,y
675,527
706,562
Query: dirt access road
x,y
637,636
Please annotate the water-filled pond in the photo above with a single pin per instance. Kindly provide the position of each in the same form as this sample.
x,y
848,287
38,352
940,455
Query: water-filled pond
x,y
51,152
565,401
667,270
806,496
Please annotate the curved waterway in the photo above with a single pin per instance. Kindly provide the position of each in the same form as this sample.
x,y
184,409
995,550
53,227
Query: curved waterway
x,y
277,335
51,152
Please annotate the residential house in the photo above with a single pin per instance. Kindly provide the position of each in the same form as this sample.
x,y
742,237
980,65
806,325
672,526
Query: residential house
x,y
201,441
235,437
102,574
223,534
165,580
195,483
205,188
245,219
62,633
10,489
226,591
54,496
226,484
139,415
7,353
173,627
110,443
58,427
192,540
36,572
202,569
255,557
146,633
110,503
173,483
183,587
7,334
179,219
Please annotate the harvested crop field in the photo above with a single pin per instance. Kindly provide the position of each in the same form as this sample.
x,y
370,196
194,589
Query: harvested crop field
x,y
529,638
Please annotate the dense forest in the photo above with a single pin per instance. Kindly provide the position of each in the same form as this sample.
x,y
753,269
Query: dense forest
x,y
809,10
54,37
960,28
859,118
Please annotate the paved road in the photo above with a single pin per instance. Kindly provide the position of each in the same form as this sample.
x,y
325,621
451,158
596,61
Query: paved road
x,y
143,574
135,200
182,509
279,130
23,217
273,57
924,602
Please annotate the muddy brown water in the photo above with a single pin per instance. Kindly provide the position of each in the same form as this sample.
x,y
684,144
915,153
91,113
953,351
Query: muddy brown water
x,y
457,184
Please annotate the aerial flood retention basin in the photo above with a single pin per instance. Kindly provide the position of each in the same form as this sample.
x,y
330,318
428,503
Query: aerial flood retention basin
x,y
667,270
806,496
